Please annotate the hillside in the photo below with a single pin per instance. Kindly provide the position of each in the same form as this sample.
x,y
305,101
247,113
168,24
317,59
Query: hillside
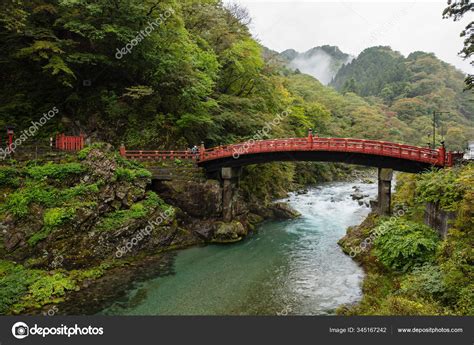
x,y
411,89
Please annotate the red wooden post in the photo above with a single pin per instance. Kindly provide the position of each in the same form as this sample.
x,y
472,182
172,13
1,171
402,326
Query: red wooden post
x,y
310,138
10,133
201,151
123,152
449,163
442,155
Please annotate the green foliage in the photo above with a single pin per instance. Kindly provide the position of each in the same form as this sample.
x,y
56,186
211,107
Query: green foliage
x,y
444,188
404,244
424,282
46,290
55,171
18,202
118,218
153,200
440,281
14,283
52,219
412,88
9,176
130,175
89,274
254,187
57,216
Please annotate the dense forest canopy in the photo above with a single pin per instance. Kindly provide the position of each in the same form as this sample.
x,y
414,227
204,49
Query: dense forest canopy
x,y
412,88
167,74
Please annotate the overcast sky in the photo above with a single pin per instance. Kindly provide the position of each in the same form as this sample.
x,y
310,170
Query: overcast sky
x,y
406,26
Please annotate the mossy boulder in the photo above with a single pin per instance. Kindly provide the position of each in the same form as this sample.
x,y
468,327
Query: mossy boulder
x,y
229,232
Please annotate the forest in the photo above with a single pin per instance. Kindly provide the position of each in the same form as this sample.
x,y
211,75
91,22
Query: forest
x,y
200,76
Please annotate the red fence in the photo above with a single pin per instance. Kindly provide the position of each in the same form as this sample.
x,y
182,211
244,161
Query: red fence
x,y
437,157
69,143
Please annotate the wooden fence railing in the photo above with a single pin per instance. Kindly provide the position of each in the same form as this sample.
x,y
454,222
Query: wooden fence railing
x,y
69,143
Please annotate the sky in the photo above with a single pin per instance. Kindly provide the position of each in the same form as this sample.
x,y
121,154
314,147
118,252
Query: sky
x,y
406,26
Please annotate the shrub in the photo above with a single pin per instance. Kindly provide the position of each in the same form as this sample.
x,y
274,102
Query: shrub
x,y
116,219
405,244
55,171
9,177
18,202
130,175
14,282
424,281
47,289
57,216
441,187
79,190
399,305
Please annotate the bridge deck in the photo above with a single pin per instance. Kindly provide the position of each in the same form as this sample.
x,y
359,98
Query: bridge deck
x,y
334,149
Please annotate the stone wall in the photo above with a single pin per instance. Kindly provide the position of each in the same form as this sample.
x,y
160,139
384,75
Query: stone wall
x,y
438,219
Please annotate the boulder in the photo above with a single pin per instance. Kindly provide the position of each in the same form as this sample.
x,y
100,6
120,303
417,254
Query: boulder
x,y
200,200
282,210
357,196
229,232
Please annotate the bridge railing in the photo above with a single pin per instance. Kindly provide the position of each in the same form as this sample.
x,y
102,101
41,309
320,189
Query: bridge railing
x,y
372,147
324,144
157,154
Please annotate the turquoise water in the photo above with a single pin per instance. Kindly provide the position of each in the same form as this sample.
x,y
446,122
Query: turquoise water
x,y
290,267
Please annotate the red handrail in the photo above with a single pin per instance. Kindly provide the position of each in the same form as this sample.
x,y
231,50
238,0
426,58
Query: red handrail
x,y
372,147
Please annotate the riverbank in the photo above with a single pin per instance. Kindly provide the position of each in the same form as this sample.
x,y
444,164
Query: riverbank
x,y
414,267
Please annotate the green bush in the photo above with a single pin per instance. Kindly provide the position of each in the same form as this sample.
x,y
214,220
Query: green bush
x,y
400,305
79,190
55,171
14,283
116,219
405,244
57,216
47,289
424,282
130,175
9,177
441,187
18,202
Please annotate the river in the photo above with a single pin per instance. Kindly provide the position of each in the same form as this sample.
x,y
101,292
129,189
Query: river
x,y
292,267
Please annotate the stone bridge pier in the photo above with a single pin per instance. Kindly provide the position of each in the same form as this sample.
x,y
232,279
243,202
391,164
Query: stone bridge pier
x,y
230,178
385,192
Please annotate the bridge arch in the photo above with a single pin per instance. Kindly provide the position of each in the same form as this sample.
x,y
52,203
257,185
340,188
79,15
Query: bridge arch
x,y
378,154
225,162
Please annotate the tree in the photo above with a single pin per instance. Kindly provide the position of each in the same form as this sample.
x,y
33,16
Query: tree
x,y
456,10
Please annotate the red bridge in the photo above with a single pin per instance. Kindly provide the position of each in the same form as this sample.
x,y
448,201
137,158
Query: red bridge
x,y
372,153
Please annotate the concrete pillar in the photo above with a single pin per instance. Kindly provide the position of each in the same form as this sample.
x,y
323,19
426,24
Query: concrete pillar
x,y
230,180
385,192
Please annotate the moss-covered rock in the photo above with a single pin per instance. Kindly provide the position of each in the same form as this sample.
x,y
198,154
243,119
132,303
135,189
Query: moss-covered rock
x,y
229,232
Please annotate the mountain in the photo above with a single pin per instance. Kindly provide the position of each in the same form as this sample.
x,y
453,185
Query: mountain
x,y
412,88
320,62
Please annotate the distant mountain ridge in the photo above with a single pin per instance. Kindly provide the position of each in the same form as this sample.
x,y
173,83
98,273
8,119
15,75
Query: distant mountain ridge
x,y
322,62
